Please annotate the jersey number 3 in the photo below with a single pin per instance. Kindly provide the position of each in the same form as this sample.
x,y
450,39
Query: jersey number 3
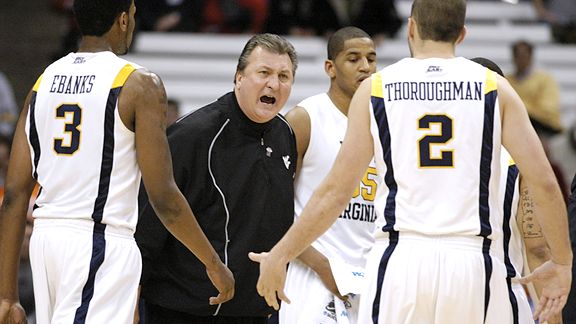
x,y
446,159
71,128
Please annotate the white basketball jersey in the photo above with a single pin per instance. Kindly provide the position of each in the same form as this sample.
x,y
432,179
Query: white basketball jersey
x,y
513,246
83,156
351,236
436,129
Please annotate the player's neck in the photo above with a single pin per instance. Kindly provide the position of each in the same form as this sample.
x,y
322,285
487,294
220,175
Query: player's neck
x,y
430,49
92,44
340,99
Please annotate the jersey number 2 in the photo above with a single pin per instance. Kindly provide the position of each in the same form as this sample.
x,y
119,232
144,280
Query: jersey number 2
x,y
446,159
70,127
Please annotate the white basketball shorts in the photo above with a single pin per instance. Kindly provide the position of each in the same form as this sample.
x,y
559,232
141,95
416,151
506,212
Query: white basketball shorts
x,y
84,272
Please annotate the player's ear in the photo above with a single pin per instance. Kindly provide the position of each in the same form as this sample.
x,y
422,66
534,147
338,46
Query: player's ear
x,y
123,20
411,27
329,68
462,35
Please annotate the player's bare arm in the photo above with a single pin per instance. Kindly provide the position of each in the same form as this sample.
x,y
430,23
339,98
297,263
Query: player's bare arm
x,y
537,252
520,139
328,201
320,264
18,188
300,121
144,94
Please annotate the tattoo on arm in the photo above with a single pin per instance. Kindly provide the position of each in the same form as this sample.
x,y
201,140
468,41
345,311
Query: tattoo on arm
x,y
530,225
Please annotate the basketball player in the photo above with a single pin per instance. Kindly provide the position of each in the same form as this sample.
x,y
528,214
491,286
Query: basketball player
x,y
430,121
90,125
523,243
521,233
326,277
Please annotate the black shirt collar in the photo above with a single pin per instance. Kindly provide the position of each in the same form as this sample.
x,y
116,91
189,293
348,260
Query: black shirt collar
x,y
240,119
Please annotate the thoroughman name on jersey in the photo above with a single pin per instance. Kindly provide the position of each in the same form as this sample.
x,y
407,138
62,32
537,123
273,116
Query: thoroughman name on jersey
x,y
72,84
441,91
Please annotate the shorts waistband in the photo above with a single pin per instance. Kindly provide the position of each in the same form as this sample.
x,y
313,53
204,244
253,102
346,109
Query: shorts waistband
x,y
82,224
453,240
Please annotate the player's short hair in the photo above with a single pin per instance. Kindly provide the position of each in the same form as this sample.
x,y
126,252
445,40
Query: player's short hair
x,y
96,17
488,64
439,20
522,43
337,40
270,42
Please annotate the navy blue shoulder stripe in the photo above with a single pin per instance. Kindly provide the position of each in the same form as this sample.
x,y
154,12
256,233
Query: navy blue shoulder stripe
x,y
486,162
379,109
33,136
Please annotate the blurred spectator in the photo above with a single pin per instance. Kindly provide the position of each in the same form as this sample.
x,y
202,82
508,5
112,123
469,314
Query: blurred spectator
x,y
169,15
5,144
235,16
537,88
70,39
8,107
561,15
541,95
173,111
378,18
221,16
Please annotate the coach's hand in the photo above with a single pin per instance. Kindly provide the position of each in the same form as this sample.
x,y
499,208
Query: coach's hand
x,y
11,312
555,280
223,279
272,277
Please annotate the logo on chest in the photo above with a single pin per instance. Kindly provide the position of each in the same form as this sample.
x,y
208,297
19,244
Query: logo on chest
x,y
286,159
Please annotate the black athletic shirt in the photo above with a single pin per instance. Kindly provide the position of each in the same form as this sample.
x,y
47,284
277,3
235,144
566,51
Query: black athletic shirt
x,y
237,176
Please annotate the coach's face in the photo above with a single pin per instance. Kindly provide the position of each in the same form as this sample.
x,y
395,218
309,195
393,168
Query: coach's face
x,y
263,87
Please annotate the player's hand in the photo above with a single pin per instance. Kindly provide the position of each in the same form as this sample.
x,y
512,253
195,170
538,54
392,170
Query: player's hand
x,y
557,319
11,312
327,278
272,277
555,280
321,265
223,279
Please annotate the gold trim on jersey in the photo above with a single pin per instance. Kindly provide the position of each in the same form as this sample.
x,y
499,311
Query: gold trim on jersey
x,y
123,76
491,83
377,85
37,84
